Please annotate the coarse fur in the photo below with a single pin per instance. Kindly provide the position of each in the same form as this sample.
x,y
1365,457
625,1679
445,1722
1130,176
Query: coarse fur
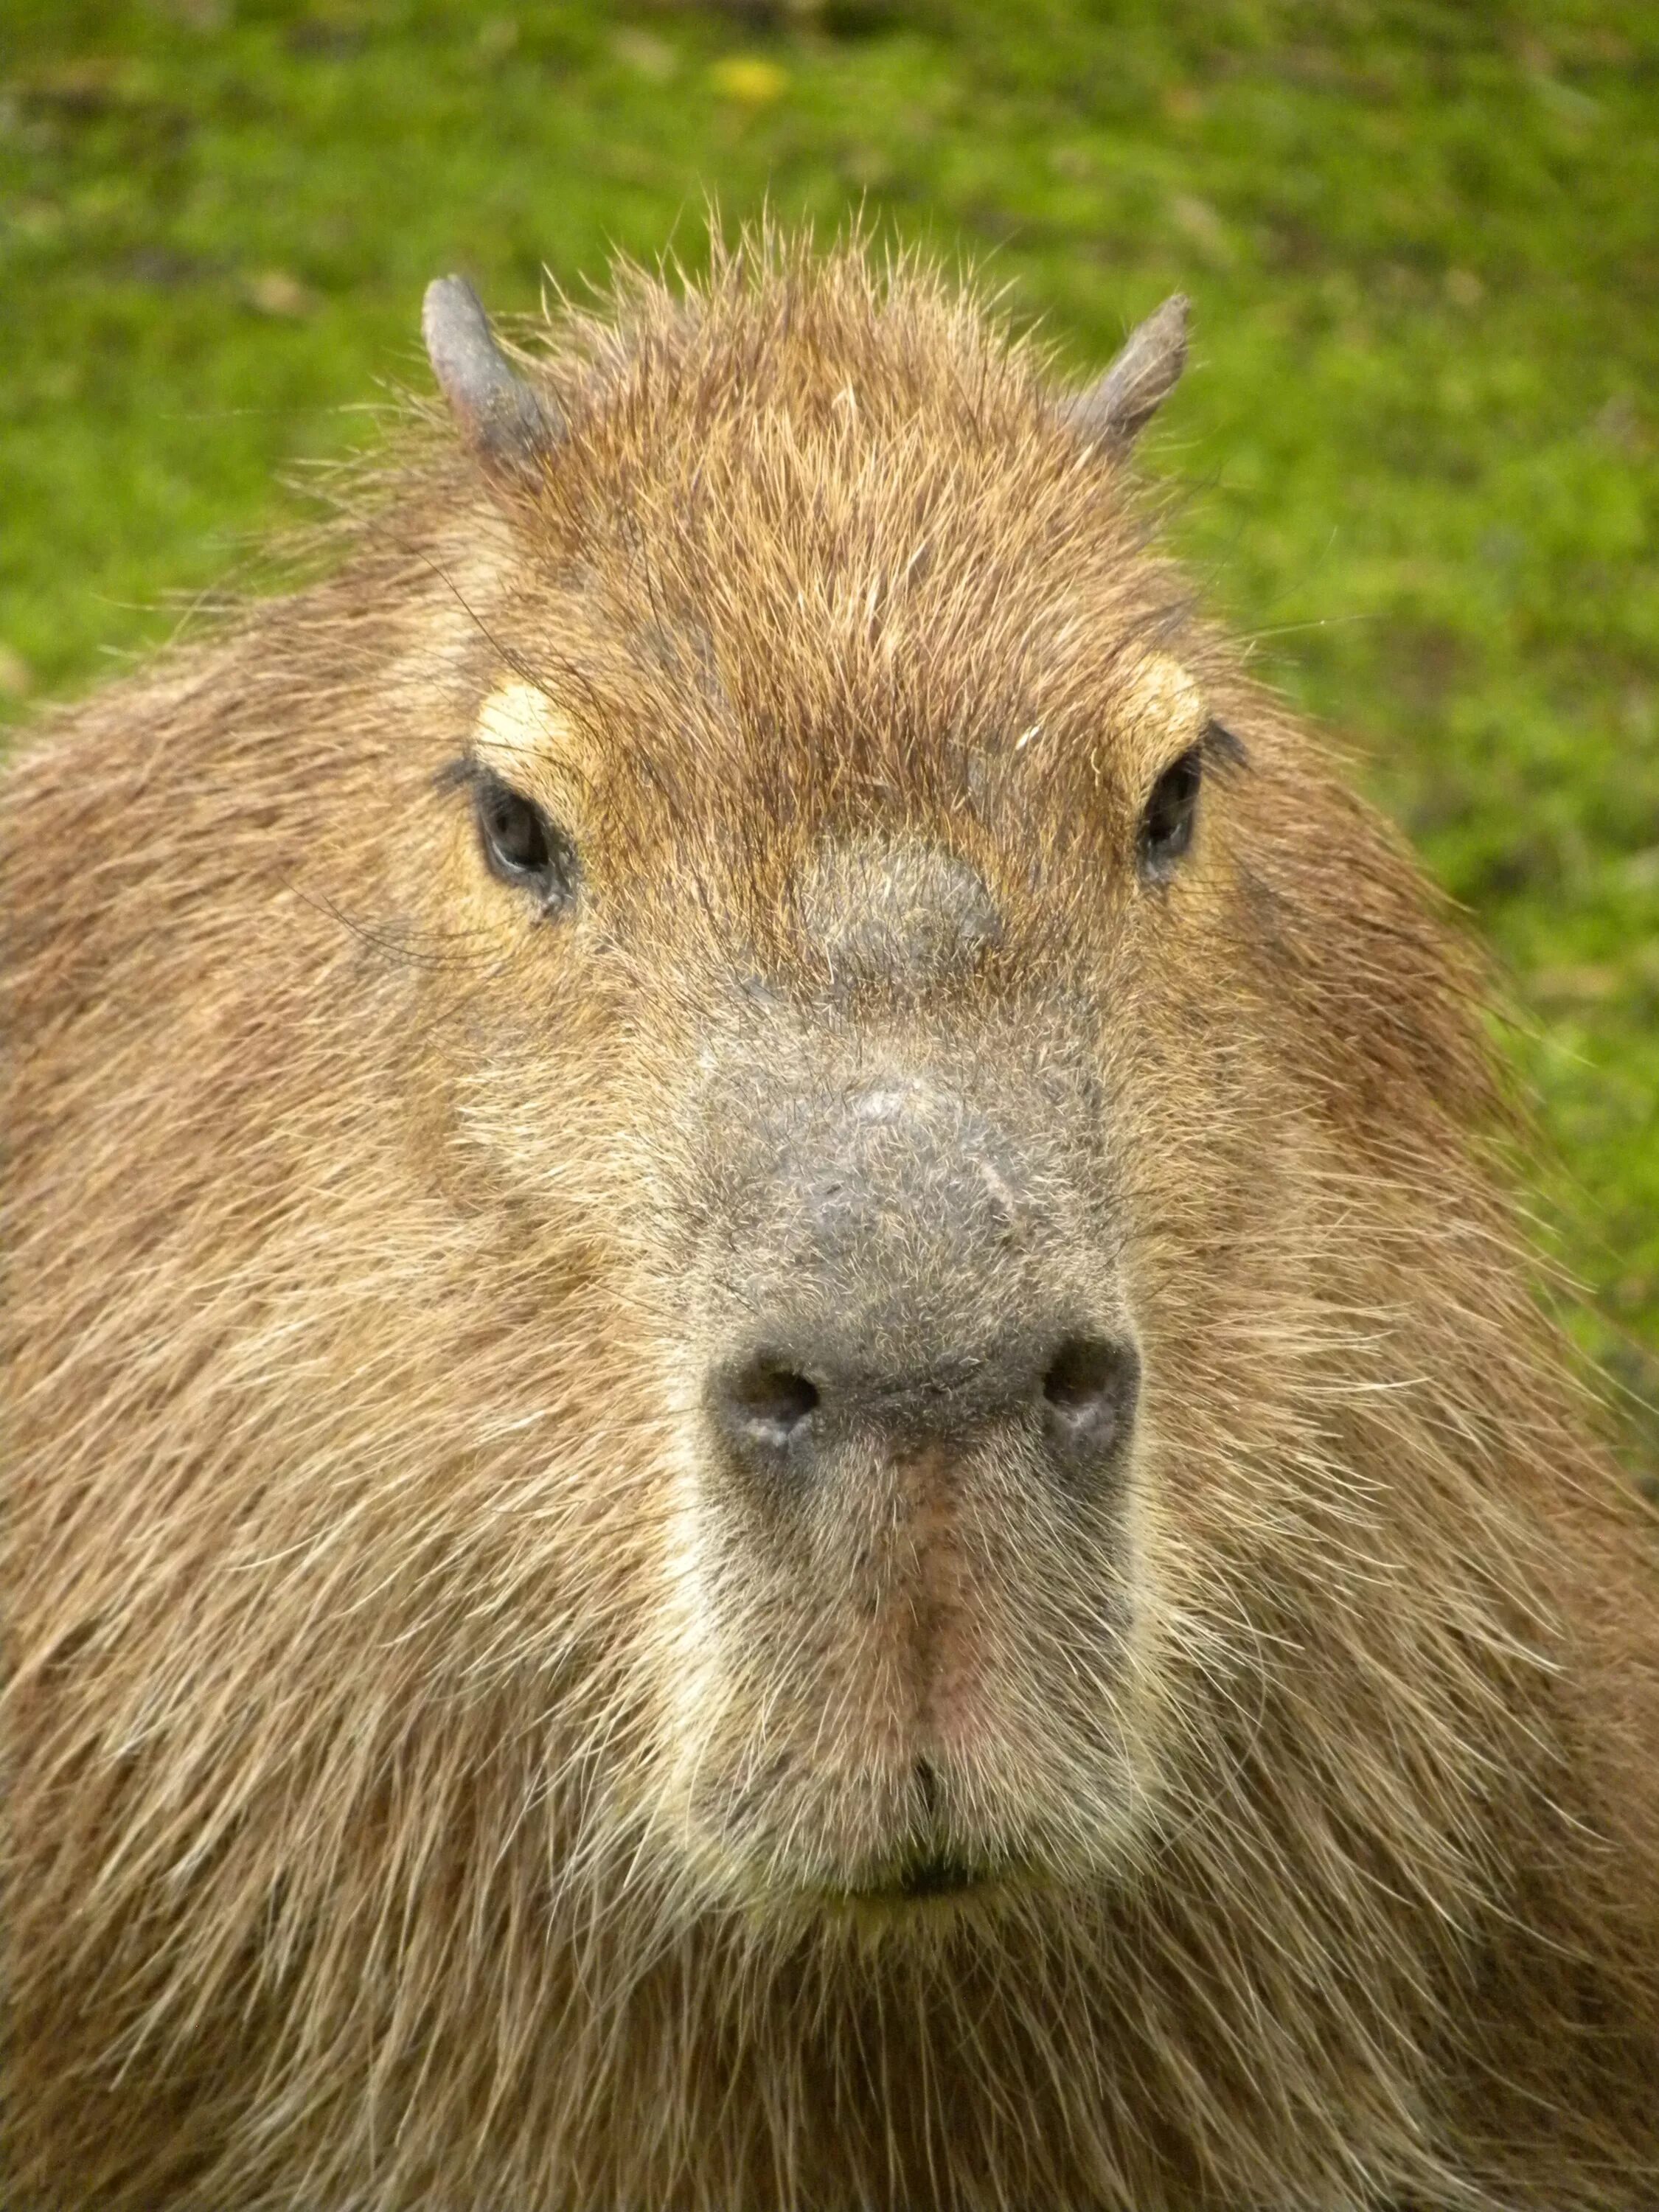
x,y
432,1784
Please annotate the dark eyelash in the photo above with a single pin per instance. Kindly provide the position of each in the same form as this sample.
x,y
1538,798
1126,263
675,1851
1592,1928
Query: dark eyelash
x,y
1223,746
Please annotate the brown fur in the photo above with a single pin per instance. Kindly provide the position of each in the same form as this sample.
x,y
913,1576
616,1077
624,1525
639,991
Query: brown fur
x,y
421,1795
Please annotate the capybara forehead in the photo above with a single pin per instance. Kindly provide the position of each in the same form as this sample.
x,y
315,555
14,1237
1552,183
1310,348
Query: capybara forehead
x,y
817,548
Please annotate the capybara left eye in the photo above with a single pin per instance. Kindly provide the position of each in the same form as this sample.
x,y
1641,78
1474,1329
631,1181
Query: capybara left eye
x,y
1166,826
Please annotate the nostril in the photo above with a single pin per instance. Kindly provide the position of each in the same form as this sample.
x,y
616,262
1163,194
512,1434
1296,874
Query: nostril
x,y
768,1403
1082,1369
1089,1391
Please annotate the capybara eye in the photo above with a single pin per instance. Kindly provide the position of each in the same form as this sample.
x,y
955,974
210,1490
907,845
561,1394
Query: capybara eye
x,y
1166,826
521,846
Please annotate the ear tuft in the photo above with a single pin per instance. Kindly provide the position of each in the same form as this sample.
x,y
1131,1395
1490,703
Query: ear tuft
x,y
1115,408
500,418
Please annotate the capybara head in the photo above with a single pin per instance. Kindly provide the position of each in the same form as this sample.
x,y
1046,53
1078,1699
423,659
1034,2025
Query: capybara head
x,y
780,1447
878,902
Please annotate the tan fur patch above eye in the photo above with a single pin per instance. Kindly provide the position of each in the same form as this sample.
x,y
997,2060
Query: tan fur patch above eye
x,y
1161,701
516,723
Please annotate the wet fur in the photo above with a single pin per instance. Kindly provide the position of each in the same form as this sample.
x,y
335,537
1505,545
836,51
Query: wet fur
x,y
395,1820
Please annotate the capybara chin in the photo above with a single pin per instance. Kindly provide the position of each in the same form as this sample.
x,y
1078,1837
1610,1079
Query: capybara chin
x,y
775,1437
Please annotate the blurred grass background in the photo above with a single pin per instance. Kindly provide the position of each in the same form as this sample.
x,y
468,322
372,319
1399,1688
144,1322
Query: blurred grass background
x,y
1421,433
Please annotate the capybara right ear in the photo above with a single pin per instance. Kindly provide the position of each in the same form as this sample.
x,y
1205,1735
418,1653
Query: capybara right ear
x,y
503,421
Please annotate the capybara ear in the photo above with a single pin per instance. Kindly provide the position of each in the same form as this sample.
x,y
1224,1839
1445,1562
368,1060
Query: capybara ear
x,y
1117,406
500,418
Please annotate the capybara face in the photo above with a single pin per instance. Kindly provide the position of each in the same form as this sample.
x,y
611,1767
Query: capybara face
x,y
774,1437
876,823
883,1136
889,863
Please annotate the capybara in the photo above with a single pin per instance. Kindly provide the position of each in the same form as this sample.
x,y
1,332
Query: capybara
x,y
776,1436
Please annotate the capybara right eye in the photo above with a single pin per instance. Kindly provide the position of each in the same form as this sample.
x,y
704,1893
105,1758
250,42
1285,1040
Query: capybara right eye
x,y
520,844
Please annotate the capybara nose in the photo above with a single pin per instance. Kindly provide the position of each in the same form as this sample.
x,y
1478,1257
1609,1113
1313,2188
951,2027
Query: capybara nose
x,y
784,1416
909,1276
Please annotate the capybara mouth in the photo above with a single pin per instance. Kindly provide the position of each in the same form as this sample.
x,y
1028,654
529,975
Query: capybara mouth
x,y
939,1877
937,1874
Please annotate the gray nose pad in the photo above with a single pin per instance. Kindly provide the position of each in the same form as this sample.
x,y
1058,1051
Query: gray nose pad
x,y
782,1415
908,1272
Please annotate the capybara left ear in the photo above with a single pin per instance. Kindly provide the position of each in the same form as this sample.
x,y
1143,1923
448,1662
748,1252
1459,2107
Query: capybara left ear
x,y
503,421
1114,409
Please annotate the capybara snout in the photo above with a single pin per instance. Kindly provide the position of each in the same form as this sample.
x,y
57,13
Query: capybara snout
x,y
920,1381
903,1276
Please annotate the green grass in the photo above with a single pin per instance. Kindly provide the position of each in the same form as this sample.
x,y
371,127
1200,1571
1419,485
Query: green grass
x,y
1421,434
